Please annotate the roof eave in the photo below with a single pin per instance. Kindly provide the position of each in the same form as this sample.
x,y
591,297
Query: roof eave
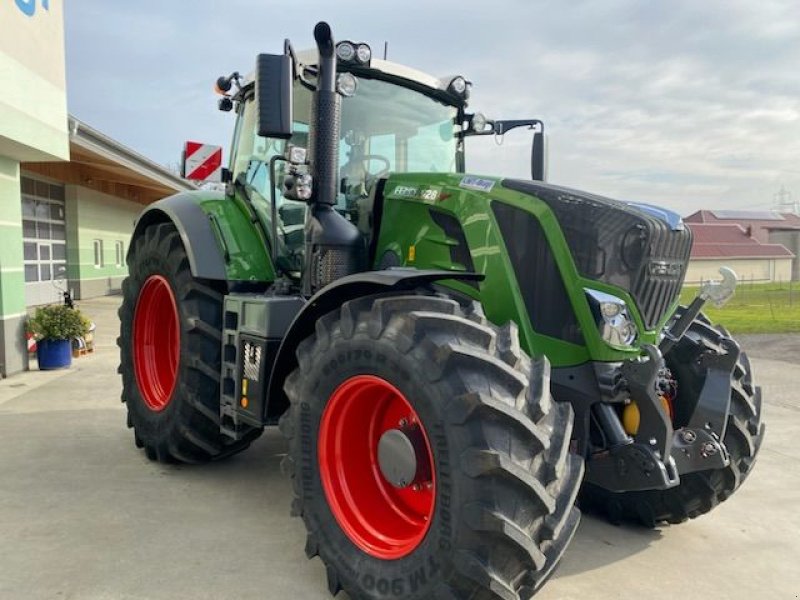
x,y
88,138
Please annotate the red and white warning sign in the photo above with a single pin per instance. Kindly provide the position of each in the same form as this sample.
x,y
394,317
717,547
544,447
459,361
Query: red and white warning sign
x,y
202,162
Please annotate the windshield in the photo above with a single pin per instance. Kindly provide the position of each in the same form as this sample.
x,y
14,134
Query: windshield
x,y
386,127
412,131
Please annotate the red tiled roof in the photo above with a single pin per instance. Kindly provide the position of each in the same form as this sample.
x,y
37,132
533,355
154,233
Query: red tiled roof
x,y
756,223
765,218
701,251
715,240
759,228
706,233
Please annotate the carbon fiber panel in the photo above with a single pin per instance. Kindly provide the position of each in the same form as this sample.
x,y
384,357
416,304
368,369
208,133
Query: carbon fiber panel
x,y
617,244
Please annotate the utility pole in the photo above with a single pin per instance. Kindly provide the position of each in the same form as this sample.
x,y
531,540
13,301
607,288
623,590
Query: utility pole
x,y
784,203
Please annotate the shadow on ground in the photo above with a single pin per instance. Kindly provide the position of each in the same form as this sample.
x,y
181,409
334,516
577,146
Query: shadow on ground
x,y
596,544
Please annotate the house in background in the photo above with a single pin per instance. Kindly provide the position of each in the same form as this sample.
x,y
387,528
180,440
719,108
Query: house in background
x,y
758,245
767,228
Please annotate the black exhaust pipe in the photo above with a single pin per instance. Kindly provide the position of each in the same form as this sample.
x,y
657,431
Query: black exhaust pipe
x,y
326,119
334,246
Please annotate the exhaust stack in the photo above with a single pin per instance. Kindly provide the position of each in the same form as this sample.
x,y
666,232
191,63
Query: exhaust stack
x,y
326,115
334,246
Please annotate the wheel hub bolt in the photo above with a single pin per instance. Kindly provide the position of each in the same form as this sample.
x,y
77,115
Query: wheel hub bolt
x,y
708,449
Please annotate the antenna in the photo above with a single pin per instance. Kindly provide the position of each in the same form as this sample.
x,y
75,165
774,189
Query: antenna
x,y
385,50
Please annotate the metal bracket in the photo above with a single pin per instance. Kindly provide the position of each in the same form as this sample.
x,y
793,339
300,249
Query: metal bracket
x,y
632,467
698,450
713,405
655,429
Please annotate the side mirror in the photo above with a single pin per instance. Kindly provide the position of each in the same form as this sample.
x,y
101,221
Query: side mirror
x,y
539,157
274,81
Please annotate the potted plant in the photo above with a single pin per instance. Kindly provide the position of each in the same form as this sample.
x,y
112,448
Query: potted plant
x,y
55,327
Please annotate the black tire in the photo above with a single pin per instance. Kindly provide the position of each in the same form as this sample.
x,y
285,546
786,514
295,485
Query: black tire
x,y
187,429
700,492
502,524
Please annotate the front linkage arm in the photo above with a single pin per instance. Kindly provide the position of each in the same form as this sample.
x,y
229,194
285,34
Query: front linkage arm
x,y
644,461
698,446
657,455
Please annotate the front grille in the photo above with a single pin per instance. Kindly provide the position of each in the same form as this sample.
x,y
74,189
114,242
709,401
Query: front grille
x,y
618,244
662,272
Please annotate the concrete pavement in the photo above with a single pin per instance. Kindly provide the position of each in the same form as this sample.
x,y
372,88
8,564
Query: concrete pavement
x,y
84,515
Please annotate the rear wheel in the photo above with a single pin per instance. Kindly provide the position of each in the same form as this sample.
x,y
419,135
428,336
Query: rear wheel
x,y
170,336
427,456
701,491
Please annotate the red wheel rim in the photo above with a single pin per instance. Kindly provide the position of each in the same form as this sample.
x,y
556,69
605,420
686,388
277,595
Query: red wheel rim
x,y
156,342
384,521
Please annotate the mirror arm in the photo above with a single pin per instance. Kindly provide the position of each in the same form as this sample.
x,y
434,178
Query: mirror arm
x,y
298,69
301,77
502,127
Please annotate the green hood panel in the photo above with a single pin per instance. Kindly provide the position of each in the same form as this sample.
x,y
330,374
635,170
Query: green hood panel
x,y
411,235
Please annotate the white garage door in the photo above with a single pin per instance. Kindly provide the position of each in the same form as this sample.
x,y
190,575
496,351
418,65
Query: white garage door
x,y
44,236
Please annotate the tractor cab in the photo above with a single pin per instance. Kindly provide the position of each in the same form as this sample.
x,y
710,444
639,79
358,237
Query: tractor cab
x,y
393,119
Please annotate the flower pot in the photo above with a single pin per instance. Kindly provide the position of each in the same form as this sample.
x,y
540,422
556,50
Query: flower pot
x,y
54,354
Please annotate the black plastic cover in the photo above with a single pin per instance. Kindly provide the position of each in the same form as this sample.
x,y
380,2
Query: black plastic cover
x,y
538,277
459,254
618,244
274,95
206,257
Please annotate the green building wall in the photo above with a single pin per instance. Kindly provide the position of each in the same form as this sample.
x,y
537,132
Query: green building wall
x,y
13,356
93,216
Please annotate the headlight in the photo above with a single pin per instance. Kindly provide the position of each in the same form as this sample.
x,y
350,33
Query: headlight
x,y
298,186
478,122
346,84
354,53
345,51
458,85
363,53
613,319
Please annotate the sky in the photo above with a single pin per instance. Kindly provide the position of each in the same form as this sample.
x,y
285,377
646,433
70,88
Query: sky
x,y
683,104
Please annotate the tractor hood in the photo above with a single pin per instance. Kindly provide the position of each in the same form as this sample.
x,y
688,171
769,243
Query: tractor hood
x,y
641,249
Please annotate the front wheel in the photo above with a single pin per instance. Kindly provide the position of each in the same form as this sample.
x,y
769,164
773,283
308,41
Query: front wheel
x,y
427,456
700,492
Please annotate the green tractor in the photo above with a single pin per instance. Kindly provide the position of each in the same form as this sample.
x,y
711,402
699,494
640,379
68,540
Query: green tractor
x,y
455,360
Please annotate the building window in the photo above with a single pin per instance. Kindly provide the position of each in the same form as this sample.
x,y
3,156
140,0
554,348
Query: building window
x,y
120,253
30,251
98,253
31,273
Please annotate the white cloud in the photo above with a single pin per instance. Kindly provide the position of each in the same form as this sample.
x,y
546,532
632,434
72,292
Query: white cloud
x,y
687,104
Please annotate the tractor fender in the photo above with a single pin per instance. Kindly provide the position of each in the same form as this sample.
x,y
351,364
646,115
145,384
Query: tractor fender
x,y
206,258
332,297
